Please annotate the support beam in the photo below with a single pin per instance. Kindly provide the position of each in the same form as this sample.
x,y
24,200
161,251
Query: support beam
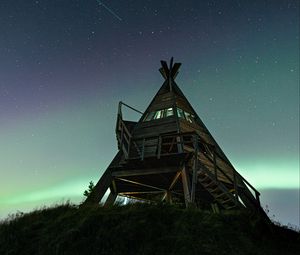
x,y
144,171
174,180
179,142
235,187
111,198
176,177
140,192
100,188
168,197
186,186
194,180
159,147
140,184
136,198
112,195
215,165
195,169
215,208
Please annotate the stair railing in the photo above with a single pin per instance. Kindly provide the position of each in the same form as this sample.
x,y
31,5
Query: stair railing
x,y
124,137
245,184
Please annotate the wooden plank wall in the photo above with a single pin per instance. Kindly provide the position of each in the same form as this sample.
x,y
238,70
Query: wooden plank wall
x,y
155,127
162,101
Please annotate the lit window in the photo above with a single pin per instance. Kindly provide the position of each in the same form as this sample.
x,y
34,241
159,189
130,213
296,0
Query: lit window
x,y
185,115
149,116
169,112
164,113
158,115
180,113
188,117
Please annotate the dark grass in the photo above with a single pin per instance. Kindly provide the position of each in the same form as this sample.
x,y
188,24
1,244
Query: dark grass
x,y
142,229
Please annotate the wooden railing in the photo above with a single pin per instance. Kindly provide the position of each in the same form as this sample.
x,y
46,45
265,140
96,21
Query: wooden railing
x,y
123,136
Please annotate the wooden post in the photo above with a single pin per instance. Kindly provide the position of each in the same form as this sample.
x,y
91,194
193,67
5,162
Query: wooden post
x,y
186,186
111,198
179,142
168,197
129,144
159,147
112,195
120,109
215,165
235,187
143,149
195,168
215,208
100,188
257,197
122,134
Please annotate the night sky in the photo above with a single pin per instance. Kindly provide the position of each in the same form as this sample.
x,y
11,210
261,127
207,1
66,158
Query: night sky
x,y
65,64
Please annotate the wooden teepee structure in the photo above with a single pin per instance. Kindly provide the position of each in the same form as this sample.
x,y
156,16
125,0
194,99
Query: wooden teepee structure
x,y
170,155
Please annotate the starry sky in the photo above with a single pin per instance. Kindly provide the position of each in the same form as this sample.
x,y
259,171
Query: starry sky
x,y
65,64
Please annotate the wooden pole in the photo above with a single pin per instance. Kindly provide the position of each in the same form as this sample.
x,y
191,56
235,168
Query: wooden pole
x,y
100,188
186,186
111,198
215,165
235,186
168,197
159,147
195,168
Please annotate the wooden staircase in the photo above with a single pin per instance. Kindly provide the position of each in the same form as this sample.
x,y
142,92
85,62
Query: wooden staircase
x,y
222,195
227,198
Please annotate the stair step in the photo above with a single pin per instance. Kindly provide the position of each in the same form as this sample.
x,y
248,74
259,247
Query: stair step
x,y
204,179
213,190
232,191
210,186
207,183
221,195
217,194
229,207
225,201
201,173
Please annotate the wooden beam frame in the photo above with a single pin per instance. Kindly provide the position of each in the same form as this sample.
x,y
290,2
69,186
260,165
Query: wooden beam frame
x,y
175,180
140,192
176,177
136,198
140,184
148,171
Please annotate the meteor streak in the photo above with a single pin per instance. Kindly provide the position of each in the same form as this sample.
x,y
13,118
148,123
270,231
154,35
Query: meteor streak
x,y
109,10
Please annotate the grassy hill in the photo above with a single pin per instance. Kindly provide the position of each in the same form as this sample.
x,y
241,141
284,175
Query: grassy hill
x,y
142,229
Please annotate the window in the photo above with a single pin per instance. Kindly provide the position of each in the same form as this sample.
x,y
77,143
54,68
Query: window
x,y
169,112
185,115
149,116
180,113
159,114
164,113
188,117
